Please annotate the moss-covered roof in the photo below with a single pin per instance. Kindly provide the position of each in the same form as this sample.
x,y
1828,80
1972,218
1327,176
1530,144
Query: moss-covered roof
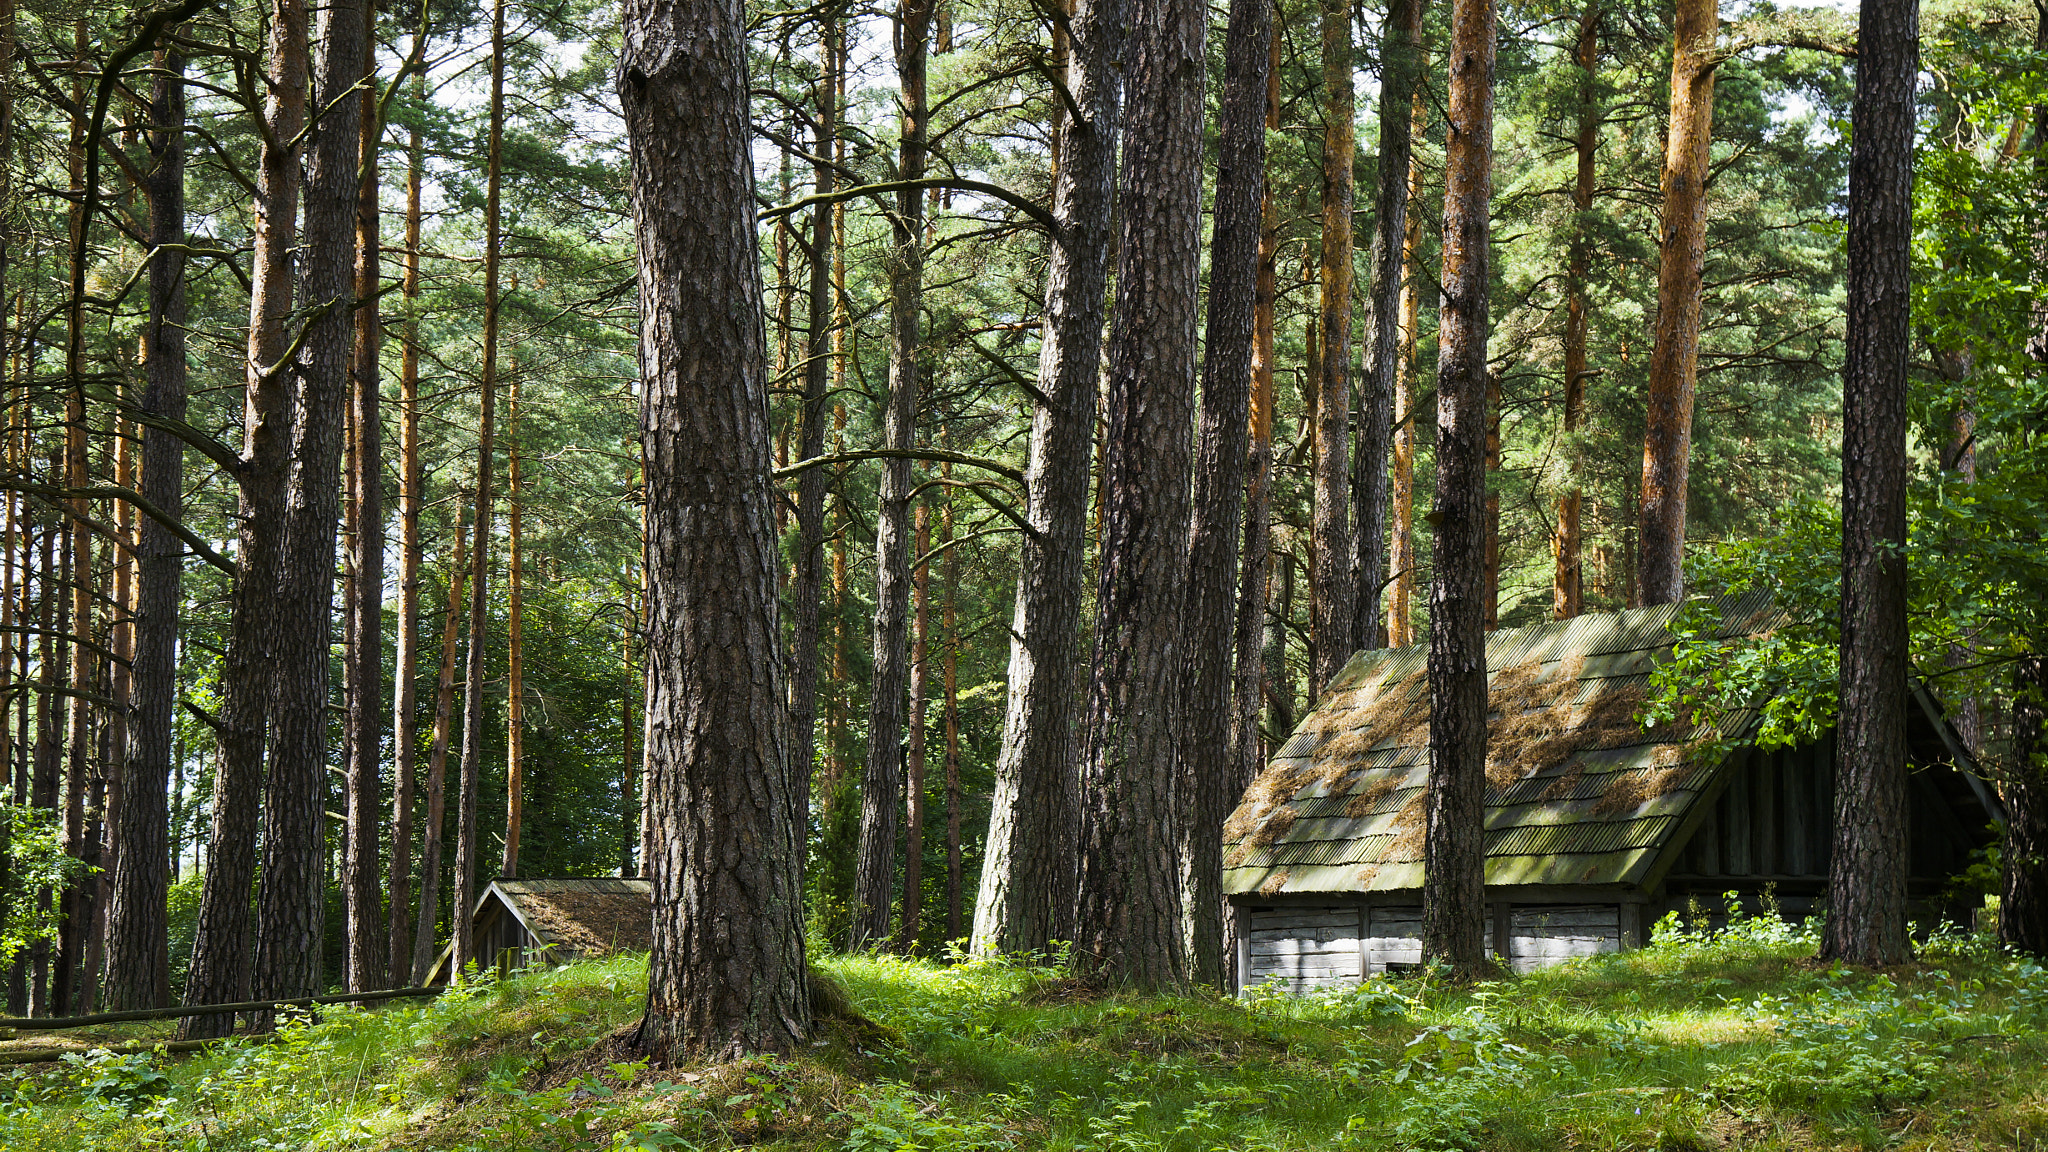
x,y
1578,791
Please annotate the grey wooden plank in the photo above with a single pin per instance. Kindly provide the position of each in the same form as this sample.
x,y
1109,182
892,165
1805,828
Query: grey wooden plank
x,y
1736,810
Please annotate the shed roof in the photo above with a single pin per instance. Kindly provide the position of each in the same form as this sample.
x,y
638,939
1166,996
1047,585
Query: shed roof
x,y
589,915
1578,792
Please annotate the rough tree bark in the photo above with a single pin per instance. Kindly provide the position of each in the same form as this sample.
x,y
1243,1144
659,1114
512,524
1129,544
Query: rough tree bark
x,y
411,492
1332,599
1453,894
1401,549
219,970
1866,921
1027,874
290,910
138,972
727,972
875,871
1207,771
1128,927
1401,60
1682,246
914,756
366,967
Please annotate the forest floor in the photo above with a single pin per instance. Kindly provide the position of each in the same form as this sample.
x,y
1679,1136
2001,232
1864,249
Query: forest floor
x,y
1735,1039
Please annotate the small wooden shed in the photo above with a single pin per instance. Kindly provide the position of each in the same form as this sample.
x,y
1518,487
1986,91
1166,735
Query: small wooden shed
x,y
1595,826
557,920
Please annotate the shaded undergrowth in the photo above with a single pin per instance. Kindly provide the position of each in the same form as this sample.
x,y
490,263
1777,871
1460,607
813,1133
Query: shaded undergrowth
x,y
1733,1038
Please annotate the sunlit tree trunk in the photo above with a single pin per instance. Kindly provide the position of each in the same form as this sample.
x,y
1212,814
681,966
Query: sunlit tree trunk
x,y
220,970
1453,893
1675,360
1027,874
726,974
920,687
1401,548
515,636
1128,918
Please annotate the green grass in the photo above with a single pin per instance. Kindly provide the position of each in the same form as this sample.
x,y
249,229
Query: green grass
x,y
1700,1042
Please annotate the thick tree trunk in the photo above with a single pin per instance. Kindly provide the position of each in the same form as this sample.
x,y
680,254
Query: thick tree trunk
x,y
1027,873
138,960
411,493
1332,598
881,785
290,909
1128,918
437,769
366,967
1867,881
1675,359
2023,902
471,765
1401,63
727,972
220,970
1567,584
1453,894
1207,770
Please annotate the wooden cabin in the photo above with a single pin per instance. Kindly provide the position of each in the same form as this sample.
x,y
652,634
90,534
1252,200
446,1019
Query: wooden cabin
x,y
1596,827
518,923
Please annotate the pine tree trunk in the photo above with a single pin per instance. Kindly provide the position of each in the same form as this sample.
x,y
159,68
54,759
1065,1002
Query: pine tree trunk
x,y
291,907
1401,62
1333,599
1128,917
920,680
1207,772
807,591
471,765
1490,586
363,897
437,768
1027,873
949,625
74,904
1453,893
220,970
1675,359
138,958
1567,585
1866,921
411,494
875,874
1401,550
727,972
1256,554
515,638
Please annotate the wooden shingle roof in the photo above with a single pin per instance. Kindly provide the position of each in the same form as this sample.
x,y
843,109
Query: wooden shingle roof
x,y
1578,791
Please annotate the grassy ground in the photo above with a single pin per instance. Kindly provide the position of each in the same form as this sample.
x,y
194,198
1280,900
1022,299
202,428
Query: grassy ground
x,y
1699,1042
